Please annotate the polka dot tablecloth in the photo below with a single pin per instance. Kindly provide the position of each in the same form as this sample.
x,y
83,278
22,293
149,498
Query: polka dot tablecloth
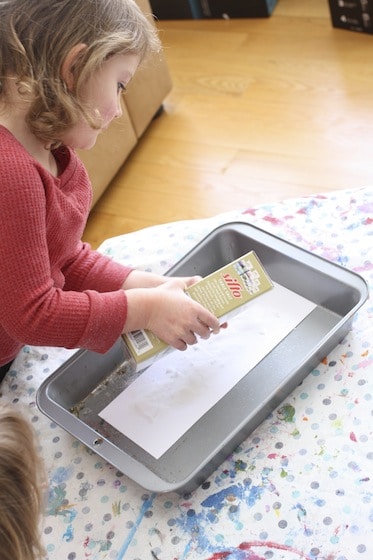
x,y
299,487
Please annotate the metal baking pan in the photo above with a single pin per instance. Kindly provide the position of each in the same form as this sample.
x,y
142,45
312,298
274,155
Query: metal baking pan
x,y
76,392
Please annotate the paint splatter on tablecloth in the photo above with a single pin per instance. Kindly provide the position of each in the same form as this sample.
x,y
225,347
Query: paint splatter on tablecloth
x,y
299,487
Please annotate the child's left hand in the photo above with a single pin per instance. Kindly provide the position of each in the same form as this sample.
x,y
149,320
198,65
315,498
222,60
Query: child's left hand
x,y
140,279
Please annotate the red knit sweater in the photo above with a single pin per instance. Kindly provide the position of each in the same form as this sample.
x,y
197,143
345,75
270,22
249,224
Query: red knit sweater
x,y
54,289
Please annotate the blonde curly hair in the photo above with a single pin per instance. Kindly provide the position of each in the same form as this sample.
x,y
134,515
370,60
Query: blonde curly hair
x,y
36,37
22,477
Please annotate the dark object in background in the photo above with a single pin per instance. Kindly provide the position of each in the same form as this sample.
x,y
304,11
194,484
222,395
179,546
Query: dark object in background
x,y
355,15
171,9
199,9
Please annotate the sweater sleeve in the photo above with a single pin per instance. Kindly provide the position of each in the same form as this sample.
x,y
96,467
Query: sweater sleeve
x,y
41,223
88,269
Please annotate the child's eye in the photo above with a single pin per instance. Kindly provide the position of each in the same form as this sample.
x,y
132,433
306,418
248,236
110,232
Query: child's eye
x,y
121,87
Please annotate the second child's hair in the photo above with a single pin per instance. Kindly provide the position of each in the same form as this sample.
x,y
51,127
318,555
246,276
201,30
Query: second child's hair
x,y
37,35
21,498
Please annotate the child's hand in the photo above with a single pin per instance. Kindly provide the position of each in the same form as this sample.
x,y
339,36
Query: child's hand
x,y
141,279
170,313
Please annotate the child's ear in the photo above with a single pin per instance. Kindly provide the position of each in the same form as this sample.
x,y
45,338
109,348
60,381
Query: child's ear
x,y
67,73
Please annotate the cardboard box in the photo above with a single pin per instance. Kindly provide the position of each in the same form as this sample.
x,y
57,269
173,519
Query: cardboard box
x,y
198,9
221,292
354,15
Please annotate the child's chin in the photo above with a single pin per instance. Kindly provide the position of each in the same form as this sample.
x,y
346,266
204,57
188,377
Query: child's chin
x,y
87,145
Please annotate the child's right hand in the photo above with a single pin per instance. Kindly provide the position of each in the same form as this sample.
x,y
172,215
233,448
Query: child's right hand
x,y
170,313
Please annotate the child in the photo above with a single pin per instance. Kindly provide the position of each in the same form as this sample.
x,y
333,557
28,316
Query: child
x,y
21,479
63,66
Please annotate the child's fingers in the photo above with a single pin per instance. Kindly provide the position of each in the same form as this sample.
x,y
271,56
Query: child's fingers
x,y
190,338
204,330
192,280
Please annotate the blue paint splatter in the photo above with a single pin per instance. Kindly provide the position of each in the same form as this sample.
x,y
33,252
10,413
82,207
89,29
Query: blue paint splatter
x,y
229,500
61,475
301,512
145,507
245,492
68,535
58,504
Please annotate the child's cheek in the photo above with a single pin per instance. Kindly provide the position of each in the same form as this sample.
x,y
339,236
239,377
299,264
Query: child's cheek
x,y
111,113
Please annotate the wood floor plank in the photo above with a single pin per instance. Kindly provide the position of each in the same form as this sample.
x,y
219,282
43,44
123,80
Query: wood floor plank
x,y
260,110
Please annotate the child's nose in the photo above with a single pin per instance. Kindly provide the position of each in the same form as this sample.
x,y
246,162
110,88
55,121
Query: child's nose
x,y
119,111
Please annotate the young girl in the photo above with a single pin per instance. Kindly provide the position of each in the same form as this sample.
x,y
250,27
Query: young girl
x,y
63,67
21,480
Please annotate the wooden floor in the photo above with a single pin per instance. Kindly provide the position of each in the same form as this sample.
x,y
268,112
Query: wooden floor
x,y
261,110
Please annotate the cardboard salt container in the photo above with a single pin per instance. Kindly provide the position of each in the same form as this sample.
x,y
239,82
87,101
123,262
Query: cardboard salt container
x,y
222,292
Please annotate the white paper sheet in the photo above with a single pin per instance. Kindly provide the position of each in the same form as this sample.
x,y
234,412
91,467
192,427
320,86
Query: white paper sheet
x,y
174,392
